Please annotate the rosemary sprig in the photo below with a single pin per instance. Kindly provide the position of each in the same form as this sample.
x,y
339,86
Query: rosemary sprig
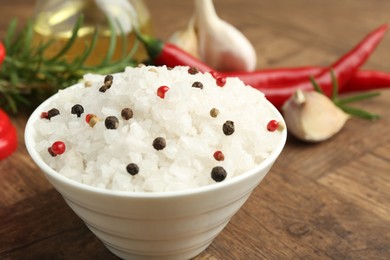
x,y
71,40
342,103
27,76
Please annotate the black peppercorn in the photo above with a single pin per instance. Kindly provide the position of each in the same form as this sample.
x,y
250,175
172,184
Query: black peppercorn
x,y
193,70
77,110
218,173
107,83
159,143
132,168
52,112
228,127
197,84
103,88
108,79
127,113
111,122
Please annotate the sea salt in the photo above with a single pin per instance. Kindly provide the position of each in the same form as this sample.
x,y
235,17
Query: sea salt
x,y
98,156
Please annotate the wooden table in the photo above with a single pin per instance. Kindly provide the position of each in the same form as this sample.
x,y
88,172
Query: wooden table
x,y
320,201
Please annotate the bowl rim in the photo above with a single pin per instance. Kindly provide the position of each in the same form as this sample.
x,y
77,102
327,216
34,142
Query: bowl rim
x,y
29,142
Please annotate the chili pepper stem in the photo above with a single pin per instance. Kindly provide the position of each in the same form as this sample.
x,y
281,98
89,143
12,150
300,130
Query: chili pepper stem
x,y
153,45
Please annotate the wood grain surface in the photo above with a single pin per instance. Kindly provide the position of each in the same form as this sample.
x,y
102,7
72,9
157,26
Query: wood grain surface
x,y
320,201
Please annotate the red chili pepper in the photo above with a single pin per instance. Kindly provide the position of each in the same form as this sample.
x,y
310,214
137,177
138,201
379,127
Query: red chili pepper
x,y
361,80
8,136
367,80
344,69
277,76
170,55
2,53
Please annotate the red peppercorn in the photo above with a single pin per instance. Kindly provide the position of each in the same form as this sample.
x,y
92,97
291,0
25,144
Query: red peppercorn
x,y
91,119
44,115
221,81
214,74
162,90
57,148
218,155
88,117
272,125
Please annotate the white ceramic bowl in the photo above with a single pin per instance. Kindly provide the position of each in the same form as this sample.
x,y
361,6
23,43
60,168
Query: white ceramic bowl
x,y
164,225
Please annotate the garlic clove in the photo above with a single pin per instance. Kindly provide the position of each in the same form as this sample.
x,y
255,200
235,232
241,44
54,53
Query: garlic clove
x,y
313,117
221,45
187,39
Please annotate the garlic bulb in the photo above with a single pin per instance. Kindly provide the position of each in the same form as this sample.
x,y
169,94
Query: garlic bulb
x,y
187,39
221,45
313,117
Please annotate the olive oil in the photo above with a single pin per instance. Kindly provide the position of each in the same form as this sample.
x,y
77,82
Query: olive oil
x,y
55,20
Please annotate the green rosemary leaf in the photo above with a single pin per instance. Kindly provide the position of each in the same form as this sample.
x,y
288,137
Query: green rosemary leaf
x,y
111,47
11,103
341,102
357,97
124,40
71,40
315,85
21,46
134,50
38,53
28,34
127,56
14,77
27,77
3,89
41,47
335,86
21,99
10,34
359,112
89,49
17,44
111,69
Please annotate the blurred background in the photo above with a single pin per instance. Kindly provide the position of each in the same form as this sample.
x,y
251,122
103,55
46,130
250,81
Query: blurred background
x,y
288,32
283,32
